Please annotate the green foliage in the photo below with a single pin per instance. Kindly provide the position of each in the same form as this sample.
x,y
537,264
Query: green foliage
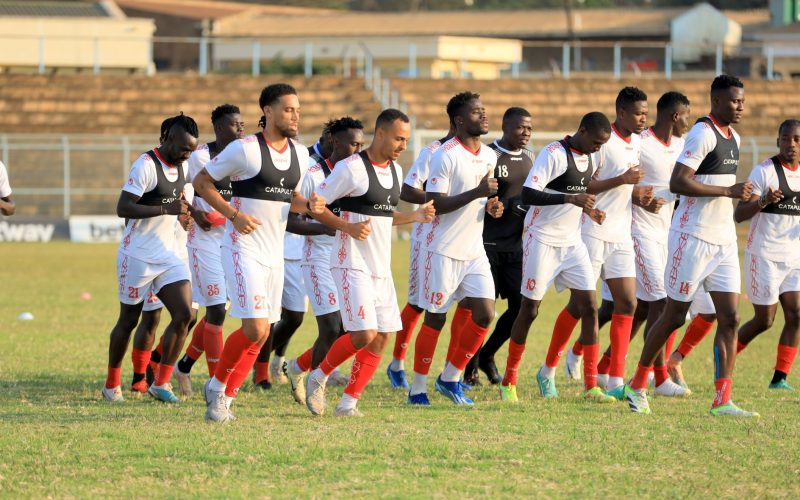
x,y
59,439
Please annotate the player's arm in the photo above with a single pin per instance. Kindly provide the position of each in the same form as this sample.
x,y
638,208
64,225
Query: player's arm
x,y
631,176
424,213
339,184
128,208
411,194
759,198
684,183
298,225
439,180
7,205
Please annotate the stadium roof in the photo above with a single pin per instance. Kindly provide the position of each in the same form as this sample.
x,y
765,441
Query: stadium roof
x,y
54,9
207,9
523,24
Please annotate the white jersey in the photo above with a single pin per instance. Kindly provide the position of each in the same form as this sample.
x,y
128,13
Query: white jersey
x,y
241,160
657,162
775,237
554,225
707,218
151,239
293,246
614,158
5,187
454,170
197,238
416,177
316,248
374,254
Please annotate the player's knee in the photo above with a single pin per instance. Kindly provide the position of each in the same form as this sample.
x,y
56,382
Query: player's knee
x,y
127,323
764,322
435,320
728,320
792,318
215,314
528,311
181,317
625,306
587,310
483,316
293,319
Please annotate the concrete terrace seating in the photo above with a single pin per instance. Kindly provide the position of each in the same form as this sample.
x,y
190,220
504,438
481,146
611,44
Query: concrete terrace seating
x,y
557,105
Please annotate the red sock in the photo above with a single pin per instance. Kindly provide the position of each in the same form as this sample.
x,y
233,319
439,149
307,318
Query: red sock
x,y
670,343
262,371
640,377
562,331
604,364
469,341
212,341
590,354
243,369
304,360
461,318
577,348
140,359
112,378
364,367
158,349
723,395
195,348
620,340
740,347
163,374
410,317
661,374
424,347
235,348
695,333
341,351
785,359
512,364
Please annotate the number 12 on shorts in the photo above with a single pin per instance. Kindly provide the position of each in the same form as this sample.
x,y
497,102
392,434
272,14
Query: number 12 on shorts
x,y
436,298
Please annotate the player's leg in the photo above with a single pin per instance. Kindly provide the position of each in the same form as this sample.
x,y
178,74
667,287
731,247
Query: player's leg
x,y
789,340
762,320
623,290
528,311
118,345
176,297
143,339
410,316
703,319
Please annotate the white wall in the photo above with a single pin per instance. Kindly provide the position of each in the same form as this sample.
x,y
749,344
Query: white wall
x,y
699,30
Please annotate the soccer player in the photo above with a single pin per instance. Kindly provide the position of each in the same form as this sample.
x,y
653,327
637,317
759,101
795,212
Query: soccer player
x,y
703,318
772,254
148,259
346,136
413,191
367,187
7,205
553,252
266,170
609,244
205,261
322,148
502,238
702,244
455,265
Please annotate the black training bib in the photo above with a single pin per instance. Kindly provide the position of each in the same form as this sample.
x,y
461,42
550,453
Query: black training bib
x,y
790,203
270,184
573,181
378,200
724,158
165,191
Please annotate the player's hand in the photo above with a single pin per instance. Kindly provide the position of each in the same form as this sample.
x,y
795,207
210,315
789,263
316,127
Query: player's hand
x,y
245,224
316,203
495,207
186,221
655,205
773,196
200,218
633,175
596,215
488,185
741,190
177,207
425,212
359,230
644,195
584,200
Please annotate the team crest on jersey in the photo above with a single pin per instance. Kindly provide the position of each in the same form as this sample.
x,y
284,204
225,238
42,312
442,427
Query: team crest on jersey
x,y
433,180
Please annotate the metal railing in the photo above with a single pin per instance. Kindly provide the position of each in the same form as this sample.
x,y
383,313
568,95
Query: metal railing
x,y
206,55
82,174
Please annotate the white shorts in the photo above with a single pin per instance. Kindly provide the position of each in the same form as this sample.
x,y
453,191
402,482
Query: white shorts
x,y
702,304
651,261
368,303
413,274
321,289
610,260
208,277
255,289
765,280
136,279
446,280
693,264
605,292
294,291
544,265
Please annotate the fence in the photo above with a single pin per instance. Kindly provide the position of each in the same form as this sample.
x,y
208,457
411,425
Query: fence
x,y
206,55
67,175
